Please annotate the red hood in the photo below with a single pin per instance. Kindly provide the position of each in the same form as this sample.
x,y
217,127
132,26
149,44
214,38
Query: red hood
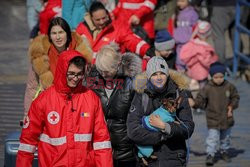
x,y
60,80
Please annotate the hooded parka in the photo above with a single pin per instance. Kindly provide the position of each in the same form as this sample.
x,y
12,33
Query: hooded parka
x,y
42,68
66,125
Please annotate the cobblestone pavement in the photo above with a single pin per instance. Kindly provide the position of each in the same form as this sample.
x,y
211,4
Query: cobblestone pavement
x,y
13,71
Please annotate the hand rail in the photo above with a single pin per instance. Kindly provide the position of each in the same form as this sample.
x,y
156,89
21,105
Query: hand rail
x,y
239,29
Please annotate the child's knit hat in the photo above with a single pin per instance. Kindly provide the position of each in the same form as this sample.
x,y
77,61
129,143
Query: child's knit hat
x,y
156,64
217,67
203,29
164,41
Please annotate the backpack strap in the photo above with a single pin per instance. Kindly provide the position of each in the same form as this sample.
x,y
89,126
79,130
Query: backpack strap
x,y
145,100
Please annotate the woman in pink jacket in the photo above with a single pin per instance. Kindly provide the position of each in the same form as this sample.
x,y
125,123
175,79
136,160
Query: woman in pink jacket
x,y
197,54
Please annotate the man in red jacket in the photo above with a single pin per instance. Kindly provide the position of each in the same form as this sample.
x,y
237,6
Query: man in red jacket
x,y
99,30
137,12
66,122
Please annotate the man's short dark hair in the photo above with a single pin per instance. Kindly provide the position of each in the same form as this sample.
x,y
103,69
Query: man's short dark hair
x,y
78,61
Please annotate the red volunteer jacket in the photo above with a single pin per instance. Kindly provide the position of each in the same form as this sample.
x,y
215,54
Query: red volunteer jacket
x,y
67,125
143,9
51,9
114,32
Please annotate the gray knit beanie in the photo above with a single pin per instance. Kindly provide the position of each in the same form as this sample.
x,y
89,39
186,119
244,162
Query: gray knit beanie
x,y
156,64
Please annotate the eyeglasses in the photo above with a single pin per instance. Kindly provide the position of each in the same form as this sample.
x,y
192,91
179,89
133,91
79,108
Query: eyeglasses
x,y
72,75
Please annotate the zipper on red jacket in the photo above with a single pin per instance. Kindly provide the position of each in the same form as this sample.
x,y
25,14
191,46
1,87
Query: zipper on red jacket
x,y
69,98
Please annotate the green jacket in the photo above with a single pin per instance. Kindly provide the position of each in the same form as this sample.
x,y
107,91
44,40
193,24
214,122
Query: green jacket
x,y
215,100
163,12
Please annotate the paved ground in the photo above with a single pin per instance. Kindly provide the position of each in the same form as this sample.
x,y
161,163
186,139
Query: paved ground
x,y
240,151
13,71
13,66
13,41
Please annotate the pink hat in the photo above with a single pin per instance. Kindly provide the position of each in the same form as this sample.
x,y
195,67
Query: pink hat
x,y
204,29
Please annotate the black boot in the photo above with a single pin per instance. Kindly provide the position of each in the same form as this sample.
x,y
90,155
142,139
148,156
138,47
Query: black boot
x,y
210,160
225,156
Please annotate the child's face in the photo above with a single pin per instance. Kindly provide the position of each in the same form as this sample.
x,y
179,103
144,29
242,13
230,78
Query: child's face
x,y
218,78
164,53
182,4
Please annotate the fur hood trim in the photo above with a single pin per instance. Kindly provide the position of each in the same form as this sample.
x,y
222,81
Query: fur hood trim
x,y
131,64
38,54
182,81
83,47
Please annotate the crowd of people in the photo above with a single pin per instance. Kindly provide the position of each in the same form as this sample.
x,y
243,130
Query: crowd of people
x,y
110,82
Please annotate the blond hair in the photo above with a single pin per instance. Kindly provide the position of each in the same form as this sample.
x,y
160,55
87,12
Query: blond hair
x,y
108,58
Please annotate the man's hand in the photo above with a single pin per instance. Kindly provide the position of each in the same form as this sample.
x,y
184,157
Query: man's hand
x,y
156,121
134,20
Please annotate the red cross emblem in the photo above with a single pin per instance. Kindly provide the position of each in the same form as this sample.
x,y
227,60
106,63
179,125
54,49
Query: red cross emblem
x,y
26,122
53,117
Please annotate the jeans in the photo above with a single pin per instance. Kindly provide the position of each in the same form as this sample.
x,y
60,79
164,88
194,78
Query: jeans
x,y
214,137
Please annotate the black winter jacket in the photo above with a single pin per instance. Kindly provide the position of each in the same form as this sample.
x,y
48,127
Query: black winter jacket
x,y
169,148
116,109
117,106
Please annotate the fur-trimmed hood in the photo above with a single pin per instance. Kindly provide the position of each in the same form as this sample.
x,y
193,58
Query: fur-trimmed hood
x,y
130,67
38,54
141,81
131,64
